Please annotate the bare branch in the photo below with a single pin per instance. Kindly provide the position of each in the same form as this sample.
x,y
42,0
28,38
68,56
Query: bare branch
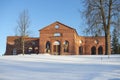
x,y
100,16
23,26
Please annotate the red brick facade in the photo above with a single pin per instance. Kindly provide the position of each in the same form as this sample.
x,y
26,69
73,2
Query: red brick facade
x,y
14,45
58,39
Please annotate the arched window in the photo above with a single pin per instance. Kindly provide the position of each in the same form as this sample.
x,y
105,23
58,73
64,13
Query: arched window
x,y
14,51
66,46
47,47
93,50
80,50
57,34
100,50
30,50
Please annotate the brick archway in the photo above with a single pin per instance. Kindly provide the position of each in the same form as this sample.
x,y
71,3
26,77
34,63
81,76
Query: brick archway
x,y
66,46
81,50
93,50
56,47
48,47
100,50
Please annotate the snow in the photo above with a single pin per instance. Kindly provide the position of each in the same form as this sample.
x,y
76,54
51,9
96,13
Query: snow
x,y
53,67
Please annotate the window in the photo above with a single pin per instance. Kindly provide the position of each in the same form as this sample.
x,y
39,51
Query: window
x,y
14,51
30,50
56,43
57,34
33,43
56,27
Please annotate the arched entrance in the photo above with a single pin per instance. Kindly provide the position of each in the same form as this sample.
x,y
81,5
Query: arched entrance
x,y
100,50
80,50
56,47
93,50
48,47
66,46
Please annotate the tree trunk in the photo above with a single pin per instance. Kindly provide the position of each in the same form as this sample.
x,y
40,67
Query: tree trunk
x,y
108,43
23,46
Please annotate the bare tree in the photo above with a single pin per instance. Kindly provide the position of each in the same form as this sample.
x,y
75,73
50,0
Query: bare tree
x,y
100,16
23,28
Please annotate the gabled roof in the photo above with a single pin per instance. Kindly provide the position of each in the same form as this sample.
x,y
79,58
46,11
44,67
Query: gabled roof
x,y
61,24
57,23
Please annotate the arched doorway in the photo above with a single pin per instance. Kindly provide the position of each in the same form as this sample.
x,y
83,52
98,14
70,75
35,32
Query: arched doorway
x,y
80,50
93,50
66,46
100,50
48,47
56,47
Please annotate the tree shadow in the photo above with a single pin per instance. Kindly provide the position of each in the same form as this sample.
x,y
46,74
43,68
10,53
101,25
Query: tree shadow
x,y
115,79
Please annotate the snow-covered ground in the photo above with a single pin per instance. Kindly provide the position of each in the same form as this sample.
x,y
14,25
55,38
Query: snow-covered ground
x,y
51,67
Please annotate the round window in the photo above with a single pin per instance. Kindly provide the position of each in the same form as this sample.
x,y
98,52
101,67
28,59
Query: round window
x,y
56,27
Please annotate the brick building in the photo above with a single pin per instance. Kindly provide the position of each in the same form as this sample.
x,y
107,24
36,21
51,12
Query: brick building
x,y
57,39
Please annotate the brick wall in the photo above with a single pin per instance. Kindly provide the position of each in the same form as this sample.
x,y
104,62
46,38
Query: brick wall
x,y
52,40
14,46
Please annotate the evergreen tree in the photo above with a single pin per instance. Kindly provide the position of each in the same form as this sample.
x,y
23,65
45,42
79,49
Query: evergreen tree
x,y
115,42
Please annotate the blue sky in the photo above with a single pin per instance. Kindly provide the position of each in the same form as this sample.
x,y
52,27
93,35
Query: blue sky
x,y
41,13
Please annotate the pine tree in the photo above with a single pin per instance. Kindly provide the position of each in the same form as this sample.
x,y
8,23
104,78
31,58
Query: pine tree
x,y
115,42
